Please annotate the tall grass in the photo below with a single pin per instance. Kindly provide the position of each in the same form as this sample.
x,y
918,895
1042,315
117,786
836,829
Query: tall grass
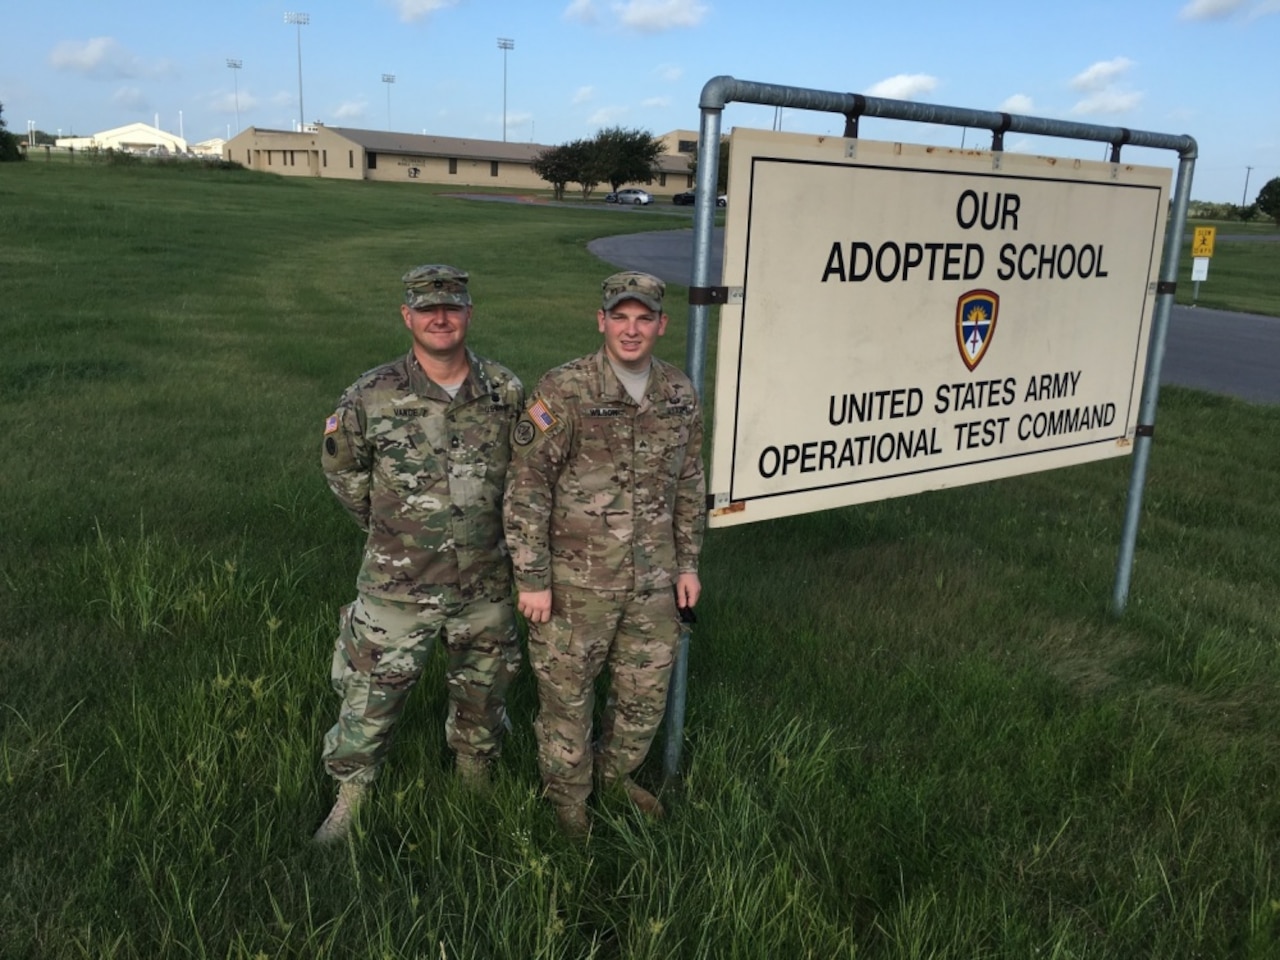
x,y
913,730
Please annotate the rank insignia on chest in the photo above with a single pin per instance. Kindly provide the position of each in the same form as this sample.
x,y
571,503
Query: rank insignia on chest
x,y
331,425
541,416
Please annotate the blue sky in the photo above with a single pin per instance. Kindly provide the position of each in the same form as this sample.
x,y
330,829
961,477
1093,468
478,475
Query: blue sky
x,y
1209,68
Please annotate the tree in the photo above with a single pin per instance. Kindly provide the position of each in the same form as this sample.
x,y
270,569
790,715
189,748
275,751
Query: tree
x,y
9,149
1268,199
627,156
722,171
584,161
556,166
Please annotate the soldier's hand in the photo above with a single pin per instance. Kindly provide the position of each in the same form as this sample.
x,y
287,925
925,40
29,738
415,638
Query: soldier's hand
x,y
535,605
688,589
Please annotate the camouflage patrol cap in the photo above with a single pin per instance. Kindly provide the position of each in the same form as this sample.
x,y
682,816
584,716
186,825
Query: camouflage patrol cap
x,y
434,283
633,285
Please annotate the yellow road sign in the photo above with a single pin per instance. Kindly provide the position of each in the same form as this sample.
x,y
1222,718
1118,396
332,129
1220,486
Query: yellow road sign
x,y
1202,245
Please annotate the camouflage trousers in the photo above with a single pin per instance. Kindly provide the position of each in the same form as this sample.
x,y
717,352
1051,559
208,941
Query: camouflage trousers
x,y
380,653
635,636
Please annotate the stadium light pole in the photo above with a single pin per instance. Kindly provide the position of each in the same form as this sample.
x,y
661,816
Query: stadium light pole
x,y
388,79
235,66
505,44
299,20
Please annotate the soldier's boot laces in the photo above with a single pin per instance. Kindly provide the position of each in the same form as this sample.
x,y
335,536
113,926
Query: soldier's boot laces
x,y
645,801
338,823
573,819
472,771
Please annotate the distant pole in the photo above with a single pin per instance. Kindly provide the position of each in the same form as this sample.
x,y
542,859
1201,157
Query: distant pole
x,y
505,44
181,129
300,20
388,79
31,133
235,66
1243,201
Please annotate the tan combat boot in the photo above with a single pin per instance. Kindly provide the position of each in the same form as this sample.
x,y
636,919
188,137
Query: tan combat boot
x,y
338,823
472,771
573,819
645,801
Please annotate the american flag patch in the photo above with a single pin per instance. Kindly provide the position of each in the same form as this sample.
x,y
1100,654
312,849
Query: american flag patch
x,y
331,425
541,416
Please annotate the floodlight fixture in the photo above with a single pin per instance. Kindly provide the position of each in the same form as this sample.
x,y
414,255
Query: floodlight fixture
x,y
388,79
234,66
299,20
505,44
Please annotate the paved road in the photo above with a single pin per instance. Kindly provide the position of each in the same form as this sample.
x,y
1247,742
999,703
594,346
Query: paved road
x,y
1237,354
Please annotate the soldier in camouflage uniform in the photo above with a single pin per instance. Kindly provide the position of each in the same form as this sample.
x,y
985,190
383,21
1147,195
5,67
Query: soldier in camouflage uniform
x,y
417,453
604,513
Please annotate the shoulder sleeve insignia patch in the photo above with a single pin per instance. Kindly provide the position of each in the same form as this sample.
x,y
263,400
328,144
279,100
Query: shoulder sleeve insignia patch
x,y
331,425
541,416
523,435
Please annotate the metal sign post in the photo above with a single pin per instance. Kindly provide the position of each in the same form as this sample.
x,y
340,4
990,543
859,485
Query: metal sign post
x,y
705,292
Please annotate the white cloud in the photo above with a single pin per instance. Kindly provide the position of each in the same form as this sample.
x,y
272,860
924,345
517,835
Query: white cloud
x,y
657,102
1023,145
131,98
284,99
1108,101
904,86
1101,74
411,10
584,11
606,116
1018,103
583,94
100,57
1210,9
226,102
671,73
1264,8
351,110
656,16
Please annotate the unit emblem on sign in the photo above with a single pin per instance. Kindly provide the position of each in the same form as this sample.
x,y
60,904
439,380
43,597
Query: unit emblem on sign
x,y
975,324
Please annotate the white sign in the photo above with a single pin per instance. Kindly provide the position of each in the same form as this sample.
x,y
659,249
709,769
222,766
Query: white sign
x,y
905,318
1199,269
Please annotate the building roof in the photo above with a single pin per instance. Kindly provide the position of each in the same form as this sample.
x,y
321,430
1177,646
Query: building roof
x,y
390,141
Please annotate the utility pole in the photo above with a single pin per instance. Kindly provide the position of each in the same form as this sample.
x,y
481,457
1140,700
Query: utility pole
x,y
505,44
388,79
235,65
299,20
1243,201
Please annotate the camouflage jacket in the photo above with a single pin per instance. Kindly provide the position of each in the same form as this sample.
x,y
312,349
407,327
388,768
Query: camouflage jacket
x,y
424,474
603,492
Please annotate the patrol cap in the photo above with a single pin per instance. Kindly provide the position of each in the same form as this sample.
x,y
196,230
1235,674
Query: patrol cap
x,y
633,285
434,283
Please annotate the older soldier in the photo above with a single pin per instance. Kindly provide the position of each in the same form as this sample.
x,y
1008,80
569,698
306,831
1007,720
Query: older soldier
x,y
604,514
417,453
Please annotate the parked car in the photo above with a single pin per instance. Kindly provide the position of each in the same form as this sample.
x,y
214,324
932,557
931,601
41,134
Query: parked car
x,y
629,195
686,199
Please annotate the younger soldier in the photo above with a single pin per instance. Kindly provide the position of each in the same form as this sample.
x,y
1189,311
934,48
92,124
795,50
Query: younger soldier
x,y
417,453
604,514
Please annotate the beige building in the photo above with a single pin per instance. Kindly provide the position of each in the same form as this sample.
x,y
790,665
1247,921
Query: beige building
x,y
131,138
348,154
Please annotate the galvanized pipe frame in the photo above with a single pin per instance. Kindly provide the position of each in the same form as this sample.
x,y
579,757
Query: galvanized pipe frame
x,y
722,90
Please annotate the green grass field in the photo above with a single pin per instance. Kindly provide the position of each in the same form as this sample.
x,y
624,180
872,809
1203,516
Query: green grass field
x,y
913,731
1243,270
